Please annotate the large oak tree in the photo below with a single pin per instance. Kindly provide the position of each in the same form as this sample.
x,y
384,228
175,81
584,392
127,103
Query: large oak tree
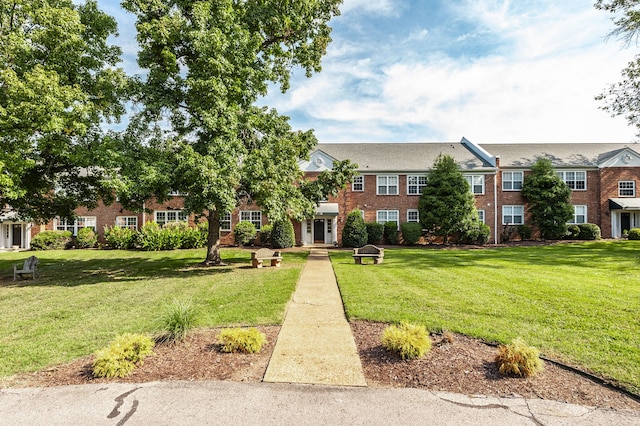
x,y
58,84
199,130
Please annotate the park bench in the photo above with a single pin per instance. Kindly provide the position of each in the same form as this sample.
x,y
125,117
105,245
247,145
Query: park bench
x,y
257,257
376,253
29,267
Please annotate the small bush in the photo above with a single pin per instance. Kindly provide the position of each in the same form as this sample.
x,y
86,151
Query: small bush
x,y
634,234
86,238
122,355
391,233
573,232
411,232
519,359
244,233
283,235
247,340
354,233
51,240
375,232
525,232
149,237
265,233
477,233
178,319
589,231
120,238
408,340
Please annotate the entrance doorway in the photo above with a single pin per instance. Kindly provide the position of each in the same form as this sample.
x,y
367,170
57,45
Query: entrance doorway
x,y
625,221
318,231
16,238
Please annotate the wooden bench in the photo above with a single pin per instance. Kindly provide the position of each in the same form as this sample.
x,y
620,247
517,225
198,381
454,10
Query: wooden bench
x,y
376,253
257,257
29,267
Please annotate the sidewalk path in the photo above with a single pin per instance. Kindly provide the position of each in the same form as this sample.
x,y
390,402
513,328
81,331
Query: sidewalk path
x,y
315,344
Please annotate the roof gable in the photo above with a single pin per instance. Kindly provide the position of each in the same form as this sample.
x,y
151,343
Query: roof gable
x,y
625,157
319,161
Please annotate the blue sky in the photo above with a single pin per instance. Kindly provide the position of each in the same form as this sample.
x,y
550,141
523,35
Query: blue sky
x,y
436,70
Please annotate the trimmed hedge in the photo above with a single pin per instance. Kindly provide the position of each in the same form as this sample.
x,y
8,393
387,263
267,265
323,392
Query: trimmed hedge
x,y
244,233
51,240
634,234
282,234
375,232
589,231
86,238
411,232
391,233
354,233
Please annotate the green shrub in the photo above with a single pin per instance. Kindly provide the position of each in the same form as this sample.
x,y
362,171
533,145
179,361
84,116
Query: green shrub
x,y
354,233
177,320
86,238
408,340
525,232
51,240
193,238
476,233
265,234
244,233
375,232
411,232
283,235
519,359
589,231
391,233
573,232
150,237
120,238
634,234
122,355
247,340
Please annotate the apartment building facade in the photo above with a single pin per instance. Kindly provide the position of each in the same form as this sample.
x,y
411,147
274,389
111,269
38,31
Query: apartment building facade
x,y
603,179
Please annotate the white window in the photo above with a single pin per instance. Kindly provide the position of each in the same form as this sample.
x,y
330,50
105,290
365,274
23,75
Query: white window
x,y
413,215
512,215
627,188
74,225
579,215
384,216
577,181
387,185
512,181
481,215
415,183
253,216
130,222
174,193
225,222
358,184
476,183
164,217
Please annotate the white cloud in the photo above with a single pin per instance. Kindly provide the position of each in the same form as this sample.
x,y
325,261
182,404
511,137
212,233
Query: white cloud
x,y
377,7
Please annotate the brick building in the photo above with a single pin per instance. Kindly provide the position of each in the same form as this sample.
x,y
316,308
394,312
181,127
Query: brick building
x,y
603,178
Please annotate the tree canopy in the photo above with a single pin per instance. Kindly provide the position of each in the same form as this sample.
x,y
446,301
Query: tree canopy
x,y
548,199
58,83
623,98
199,130
446,205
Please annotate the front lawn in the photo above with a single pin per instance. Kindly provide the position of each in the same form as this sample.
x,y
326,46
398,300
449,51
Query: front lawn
x,y
84,298
579,303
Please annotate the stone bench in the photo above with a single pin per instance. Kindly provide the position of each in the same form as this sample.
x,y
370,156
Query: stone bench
x,y
257,257
376,253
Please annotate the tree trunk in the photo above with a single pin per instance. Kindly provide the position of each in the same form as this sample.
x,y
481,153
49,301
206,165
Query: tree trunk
x,y
213,240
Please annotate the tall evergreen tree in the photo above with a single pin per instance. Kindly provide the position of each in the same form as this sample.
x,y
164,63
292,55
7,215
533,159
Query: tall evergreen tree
x,y
547,199
446,205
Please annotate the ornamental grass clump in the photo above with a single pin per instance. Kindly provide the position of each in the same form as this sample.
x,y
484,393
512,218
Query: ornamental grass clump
x,y
408,340
519,359
122,355
247,340
178,319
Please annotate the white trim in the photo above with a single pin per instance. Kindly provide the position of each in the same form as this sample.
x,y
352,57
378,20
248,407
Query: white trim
x,y
631,187
470,178
575,180
417,184
512,172
257,221
387,184
360,178
386,219
574,221
516,210
417,212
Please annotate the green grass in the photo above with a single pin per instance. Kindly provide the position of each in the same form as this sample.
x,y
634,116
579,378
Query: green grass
x,y
579,303
82,299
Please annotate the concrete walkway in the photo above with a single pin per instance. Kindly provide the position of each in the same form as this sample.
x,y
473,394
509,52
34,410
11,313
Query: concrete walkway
x,y
315,344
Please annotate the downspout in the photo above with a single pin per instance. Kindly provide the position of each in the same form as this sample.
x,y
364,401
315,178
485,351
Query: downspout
x,y
495,207
144,213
